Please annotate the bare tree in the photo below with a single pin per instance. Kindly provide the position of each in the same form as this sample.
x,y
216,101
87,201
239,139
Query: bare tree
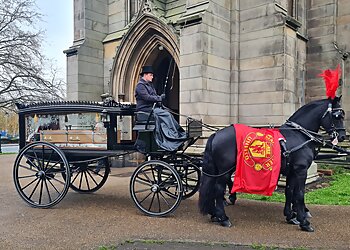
x,y
25,74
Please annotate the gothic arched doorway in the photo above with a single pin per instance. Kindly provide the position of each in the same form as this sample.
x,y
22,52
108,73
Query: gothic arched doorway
x,y
166,78
148,42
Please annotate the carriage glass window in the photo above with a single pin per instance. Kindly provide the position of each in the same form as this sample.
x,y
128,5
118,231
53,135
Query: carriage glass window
x,y
67,130
124,133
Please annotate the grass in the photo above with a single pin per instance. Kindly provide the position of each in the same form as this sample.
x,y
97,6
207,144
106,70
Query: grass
x,y
262,247
276,197
338,193
107,248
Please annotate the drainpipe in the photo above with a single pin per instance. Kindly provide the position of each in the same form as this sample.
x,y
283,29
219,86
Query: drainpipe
x,y
344,54
303,87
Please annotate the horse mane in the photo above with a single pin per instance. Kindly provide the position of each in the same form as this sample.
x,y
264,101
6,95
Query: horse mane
x,y
308,108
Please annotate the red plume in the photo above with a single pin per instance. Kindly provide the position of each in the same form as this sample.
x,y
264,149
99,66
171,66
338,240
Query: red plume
x,y
331,78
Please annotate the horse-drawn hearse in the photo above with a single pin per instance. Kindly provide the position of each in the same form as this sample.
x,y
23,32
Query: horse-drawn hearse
x,y
71,145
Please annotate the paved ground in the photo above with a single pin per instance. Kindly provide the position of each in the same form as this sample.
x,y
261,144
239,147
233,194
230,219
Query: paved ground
x,y
109,217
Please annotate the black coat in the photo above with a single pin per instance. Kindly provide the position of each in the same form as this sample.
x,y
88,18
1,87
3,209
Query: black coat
x,y
146,96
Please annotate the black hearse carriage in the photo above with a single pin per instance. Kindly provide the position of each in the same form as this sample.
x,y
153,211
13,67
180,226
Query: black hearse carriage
x,y
71,144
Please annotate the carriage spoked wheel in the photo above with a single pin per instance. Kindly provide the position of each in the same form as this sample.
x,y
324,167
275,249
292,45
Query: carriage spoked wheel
x,y
190,177
156,188
88,177
41,174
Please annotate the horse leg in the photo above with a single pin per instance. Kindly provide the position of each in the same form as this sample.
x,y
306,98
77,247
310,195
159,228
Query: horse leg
x,y
307,211
289,194
207,194
299,193
220,215
232,196
219,157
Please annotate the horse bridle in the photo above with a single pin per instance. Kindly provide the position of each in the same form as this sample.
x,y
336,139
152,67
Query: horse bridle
x,y
334,113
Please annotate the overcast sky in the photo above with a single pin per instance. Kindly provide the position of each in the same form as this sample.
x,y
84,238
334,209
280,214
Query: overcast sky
x,y
58,23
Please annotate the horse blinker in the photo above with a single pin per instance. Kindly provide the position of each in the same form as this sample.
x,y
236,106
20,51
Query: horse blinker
x,y
335,125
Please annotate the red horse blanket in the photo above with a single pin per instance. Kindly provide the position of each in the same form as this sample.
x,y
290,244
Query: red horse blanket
x,y
258,160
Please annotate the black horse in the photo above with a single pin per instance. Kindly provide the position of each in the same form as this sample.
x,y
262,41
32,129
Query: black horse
x,y
302,139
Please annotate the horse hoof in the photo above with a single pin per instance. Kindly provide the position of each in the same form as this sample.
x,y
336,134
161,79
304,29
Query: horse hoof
x,y
232,200
213,218
228,202
293,221
226,223
308,215
307,228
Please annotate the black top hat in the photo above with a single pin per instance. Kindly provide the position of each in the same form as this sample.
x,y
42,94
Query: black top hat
x,y
146,69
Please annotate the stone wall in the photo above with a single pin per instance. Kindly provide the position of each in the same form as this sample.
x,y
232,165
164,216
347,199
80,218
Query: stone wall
x,y
272,61
192,58
217,63
343,40
85,57
118,18
245,64
328,22
205,70
240,61
262,54
321,53
235,66
117,15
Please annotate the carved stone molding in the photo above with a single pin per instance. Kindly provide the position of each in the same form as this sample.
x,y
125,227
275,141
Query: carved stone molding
x,y
147,7
146,35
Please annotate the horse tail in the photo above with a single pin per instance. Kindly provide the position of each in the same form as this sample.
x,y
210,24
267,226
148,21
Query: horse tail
x,y
206,200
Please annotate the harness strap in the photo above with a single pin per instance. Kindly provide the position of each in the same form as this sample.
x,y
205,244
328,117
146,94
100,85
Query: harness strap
x,y
288,152
305,132
309,133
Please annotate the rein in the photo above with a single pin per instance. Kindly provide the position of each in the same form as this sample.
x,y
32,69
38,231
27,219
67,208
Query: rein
x,y
318,138
217,175
211,128
314,137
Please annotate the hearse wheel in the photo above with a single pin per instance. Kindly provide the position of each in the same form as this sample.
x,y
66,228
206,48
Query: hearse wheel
x,y
88,177
41,174
190,176
156,188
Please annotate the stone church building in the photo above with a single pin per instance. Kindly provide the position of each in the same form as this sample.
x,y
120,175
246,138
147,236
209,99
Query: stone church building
x,y
224,61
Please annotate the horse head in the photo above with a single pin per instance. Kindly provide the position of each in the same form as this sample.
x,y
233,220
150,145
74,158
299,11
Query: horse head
x,y
332,121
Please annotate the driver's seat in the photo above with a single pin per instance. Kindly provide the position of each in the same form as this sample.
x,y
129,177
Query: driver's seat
x,y
144,126
144,121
